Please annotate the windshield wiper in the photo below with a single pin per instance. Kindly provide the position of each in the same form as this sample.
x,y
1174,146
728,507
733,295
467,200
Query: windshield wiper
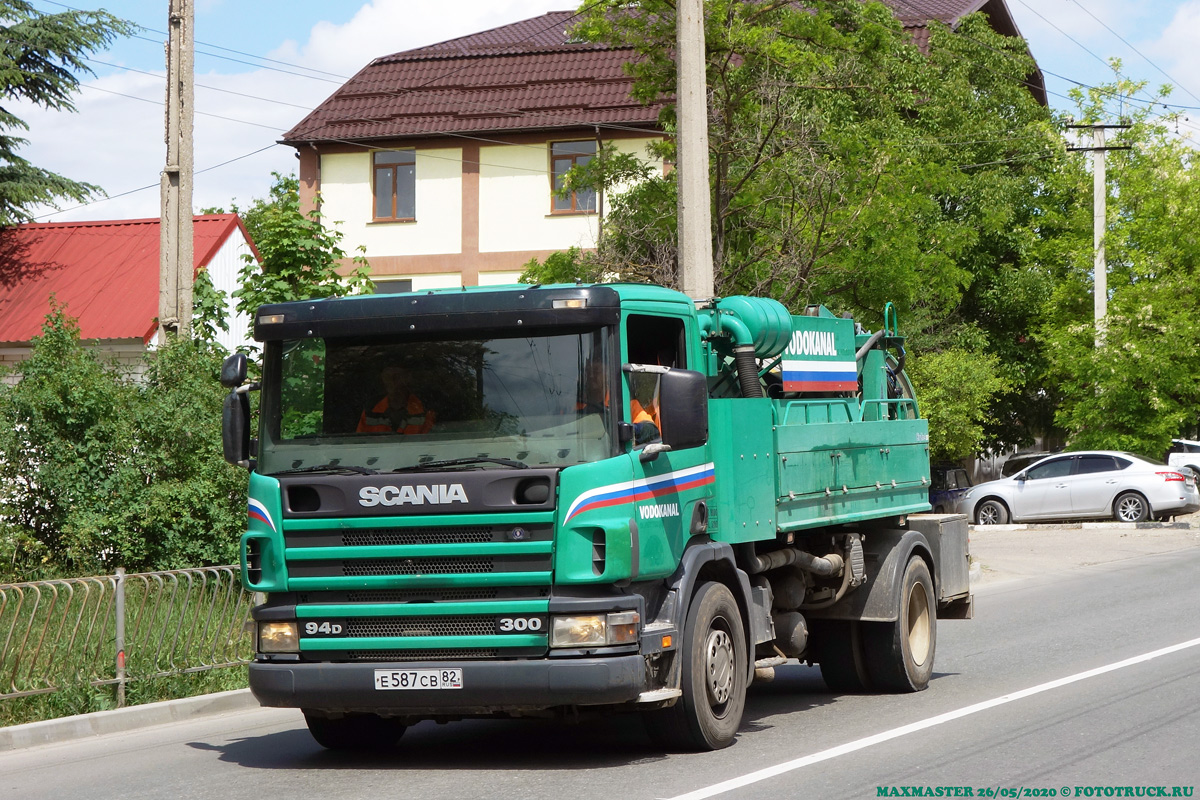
x,y
459,462
343,468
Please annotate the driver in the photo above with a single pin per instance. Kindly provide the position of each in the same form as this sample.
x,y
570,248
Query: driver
x,y
399,410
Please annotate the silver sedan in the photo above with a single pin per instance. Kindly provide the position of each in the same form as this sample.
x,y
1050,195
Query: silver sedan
x,y
1096,484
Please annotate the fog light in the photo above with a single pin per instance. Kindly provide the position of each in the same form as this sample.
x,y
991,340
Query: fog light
x,y
278,637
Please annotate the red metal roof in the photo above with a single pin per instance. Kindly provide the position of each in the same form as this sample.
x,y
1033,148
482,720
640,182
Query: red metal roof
x,y
105,273
529,75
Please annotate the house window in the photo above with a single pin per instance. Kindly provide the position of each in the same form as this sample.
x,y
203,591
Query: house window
x,y
395,184
563,156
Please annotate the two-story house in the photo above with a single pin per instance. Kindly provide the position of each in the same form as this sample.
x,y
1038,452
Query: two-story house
x,y
442,161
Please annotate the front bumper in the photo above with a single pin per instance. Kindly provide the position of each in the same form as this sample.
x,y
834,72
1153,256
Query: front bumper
x,y
488,686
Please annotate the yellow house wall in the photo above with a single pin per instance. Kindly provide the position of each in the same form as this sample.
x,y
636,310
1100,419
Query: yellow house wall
x,y
346,198
515,201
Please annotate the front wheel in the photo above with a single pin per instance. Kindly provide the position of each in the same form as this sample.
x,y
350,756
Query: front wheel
x,y
1131,507
713,677
354,731
991,512
900,654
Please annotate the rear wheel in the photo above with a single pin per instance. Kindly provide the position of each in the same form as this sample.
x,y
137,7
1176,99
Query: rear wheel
x,y
713,677
838,649
354,731
1130,507
900,653
991,512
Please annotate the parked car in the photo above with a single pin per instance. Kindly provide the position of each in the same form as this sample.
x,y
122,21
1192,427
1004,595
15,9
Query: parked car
x,y
1019,461
1185,453
947,487
1096,484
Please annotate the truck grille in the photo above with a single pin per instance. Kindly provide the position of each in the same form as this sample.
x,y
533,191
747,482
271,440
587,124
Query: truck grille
x,y
392,593
418,626
466,565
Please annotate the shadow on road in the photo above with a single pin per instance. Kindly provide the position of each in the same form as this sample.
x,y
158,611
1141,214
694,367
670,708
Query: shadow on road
x,y
592,743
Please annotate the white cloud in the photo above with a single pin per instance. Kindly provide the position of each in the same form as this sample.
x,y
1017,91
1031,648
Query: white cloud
x,y
117,142
1175,53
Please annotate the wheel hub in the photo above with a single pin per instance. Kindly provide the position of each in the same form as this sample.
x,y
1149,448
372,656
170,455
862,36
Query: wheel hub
x,y
718,666
918,624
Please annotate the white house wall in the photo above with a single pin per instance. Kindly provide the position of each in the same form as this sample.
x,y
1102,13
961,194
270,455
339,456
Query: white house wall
x,y
223,269
346,200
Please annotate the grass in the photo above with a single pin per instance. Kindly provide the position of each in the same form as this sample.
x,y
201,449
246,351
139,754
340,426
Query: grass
x,y
76,699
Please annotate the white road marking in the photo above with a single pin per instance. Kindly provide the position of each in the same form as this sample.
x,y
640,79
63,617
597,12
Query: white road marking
x,y
904,730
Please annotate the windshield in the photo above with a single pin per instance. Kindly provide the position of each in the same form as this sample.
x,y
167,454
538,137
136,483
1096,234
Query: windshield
x,y
469,403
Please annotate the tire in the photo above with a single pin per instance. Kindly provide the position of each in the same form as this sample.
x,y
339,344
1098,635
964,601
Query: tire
x,y
713,677
900,654
991,512
838,649
1130,507
354,731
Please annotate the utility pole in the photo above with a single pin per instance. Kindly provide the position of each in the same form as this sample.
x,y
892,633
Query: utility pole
x,y
175,268
691,103
1099,221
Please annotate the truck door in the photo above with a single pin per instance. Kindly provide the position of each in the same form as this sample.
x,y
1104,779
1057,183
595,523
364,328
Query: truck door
x,y
668,486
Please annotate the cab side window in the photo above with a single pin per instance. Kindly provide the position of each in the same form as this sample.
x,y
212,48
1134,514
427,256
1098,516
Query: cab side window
x,y
651,343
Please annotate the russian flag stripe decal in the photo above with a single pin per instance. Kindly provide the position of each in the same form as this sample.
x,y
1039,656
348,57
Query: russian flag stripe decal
x,y
642,489
819,376
259,512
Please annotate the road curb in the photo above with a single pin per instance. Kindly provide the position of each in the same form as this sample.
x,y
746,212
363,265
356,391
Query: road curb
x,y
1075,526
119,720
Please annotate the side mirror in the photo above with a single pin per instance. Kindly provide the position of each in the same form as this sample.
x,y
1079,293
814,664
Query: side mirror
x,y
235,427
233,371
1019,477
683,408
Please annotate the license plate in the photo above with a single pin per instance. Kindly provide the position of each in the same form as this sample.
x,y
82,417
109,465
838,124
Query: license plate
x,y
389,679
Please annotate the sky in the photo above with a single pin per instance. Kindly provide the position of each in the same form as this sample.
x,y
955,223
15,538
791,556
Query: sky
x,y
262,65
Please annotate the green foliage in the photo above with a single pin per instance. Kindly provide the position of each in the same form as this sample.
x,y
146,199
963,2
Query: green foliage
x,y
209,310
103,471
954,388
1138,387
40,58
565,266
301,258
851,169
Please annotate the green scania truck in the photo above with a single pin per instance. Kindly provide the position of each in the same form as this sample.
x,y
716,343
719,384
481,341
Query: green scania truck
x,y
547,500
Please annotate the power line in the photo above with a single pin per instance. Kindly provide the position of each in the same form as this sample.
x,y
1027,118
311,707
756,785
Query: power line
x,y
1134,49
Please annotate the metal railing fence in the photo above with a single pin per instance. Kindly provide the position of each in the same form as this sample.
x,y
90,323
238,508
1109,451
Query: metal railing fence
x,y
113,629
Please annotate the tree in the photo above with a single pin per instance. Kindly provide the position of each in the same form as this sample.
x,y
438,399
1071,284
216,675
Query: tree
x,y
851,169
40,58
1133,384
301,258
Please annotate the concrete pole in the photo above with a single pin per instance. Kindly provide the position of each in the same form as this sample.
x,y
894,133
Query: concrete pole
x,y
694,214
1099,227
176,270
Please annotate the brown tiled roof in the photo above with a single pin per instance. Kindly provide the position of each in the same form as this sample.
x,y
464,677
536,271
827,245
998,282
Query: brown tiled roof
x,y
528,75
523,76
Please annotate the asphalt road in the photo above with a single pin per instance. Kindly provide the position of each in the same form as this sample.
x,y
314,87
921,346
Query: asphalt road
x,y
1065,678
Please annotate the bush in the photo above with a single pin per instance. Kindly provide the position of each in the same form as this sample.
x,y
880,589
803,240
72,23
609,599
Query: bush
x,y
98,470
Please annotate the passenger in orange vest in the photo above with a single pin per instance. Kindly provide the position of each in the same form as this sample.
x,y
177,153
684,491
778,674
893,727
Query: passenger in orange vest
x,y
643,413
399,410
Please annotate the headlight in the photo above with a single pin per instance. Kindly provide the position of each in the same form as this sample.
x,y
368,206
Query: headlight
x,y
594,630
278,637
